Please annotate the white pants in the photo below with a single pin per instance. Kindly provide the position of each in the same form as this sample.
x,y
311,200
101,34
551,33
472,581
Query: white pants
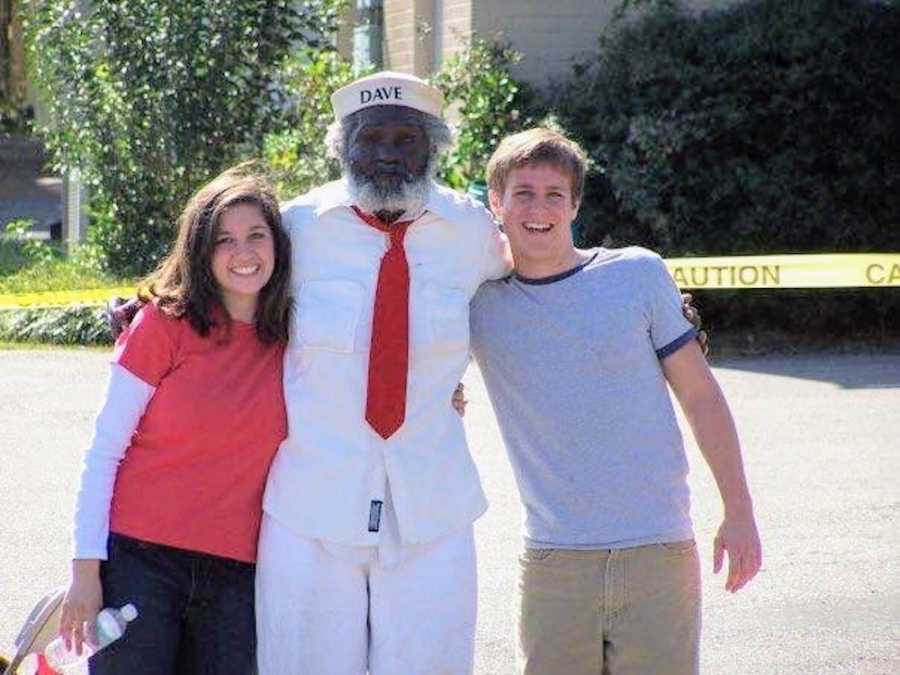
x,y
333,610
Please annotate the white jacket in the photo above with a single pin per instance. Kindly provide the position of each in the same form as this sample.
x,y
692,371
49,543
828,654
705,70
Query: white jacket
x,y
332,465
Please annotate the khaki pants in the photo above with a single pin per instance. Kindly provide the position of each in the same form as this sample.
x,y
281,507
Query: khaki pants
x,y
617,612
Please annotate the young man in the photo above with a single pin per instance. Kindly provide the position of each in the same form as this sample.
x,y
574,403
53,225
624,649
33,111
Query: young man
x,y
576,348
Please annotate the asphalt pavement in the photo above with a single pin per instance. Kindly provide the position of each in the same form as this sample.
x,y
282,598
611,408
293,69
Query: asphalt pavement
x,y
821,438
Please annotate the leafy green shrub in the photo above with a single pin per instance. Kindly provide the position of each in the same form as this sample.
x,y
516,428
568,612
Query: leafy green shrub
x,y
488,104
30,265
58,274
766,127
150,100
29,250
295,154
13,255
72,325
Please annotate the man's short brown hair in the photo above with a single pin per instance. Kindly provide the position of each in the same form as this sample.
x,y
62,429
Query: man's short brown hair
x,y
537,146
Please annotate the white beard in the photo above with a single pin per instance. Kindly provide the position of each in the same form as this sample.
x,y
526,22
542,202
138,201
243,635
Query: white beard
x,y
406,197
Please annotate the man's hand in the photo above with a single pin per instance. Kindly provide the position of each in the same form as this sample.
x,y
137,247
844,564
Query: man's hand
x,y
738,536
83,601
119,313
458,401
693,315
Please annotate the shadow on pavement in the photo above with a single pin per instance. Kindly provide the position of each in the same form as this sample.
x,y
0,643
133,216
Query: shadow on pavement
x,y
859,371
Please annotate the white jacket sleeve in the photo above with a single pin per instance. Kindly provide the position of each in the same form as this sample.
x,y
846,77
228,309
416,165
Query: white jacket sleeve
x,y
497,261
127,397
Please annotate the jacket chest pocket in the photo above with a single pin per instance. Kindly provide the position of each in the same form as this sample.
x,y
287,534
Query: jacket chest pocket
x,y
328,315
446,318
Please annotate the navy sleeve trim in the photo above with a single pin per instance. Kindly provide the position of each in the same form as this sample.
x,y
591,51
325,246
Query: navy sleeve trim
x,y
676,344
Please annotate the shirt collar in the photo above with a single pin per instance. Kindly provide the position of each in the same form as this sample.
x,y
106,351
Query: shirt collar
x,y
441,201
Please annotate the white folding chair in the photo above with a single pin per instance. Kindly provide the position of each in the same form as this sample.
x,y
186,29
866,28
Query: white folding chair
x,y
40,628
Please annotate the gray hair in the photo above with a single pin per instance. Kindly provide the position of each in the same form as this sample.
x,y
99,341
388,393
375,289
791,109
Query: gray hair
x,y
337,139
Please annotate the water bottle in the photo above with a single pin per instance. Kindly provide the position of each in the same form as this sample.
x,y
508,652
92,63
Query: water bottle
x,y
111,624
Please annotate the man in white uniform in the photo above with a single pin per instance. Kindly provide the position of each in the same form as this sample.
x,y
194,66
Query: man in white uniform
x,y
366,555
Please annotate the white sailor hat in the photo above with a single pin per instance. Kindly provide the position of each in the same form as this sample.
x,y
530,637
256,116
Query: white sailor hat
x,y
387,88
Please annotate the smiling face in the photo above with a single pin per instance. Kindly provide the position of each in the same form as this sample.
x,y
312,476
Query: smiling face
x,y
536,208
243,258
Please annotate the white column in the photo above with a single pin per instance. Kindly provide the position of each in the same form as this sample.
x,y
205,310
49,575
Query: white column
x,y
74,225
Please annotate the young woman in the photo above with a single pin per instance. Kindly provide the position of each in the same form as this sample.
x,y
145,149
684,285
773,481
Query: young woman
x,y
170,502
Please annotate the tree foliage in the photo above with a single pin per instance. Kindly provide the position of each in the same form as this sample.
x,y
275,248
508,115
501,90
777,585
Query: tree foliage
x,y
295,153
151,99
769,126
486,103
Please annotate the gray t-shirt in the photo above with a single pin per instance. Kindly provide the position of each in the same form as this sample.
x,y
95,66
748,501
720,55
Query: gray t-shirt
x,y
572,367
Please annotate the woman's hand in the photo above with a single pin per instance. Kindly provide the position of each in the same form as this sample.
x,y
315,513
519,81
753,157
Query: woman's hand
x,y
458,400
83,601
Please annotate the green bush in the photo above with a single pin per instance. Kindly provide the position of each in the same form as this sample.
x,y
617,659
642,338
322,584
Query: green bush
x,y
30,265
768,126
295,154
771,126
150,100
22,250
487,103
73,325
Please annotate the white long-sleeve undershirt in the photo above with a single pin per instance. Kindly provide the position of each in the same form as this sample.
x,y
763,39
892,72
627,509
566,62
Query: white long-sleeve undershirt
x,y
127,397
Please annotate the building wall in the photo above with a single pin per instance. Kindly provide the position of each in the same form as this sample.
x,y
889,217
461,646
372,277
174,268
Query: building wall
x,y
456,30
548,34
343,41
551,35
408,36
420,34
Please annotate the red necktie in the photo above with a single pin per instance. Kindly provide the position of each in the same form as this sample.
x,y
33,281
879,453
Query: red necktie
x,y
389,351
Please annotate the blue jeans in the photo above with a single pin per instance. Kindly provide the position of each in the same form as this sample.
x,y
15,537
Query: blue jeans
x,y
195,612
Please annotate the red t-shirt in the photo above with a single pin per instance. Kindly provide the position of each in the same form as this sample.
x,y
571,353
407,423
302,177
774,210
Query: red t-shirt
x,y
194,474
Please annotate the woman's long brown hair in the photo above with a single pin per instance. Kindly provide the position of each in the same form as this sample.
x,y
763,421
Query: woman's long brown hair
x,y
183,285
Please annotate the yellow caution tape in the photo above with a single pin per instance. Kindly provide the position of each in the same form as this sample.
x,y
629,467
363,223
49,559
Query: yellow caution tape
x,y
62,298
821,270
